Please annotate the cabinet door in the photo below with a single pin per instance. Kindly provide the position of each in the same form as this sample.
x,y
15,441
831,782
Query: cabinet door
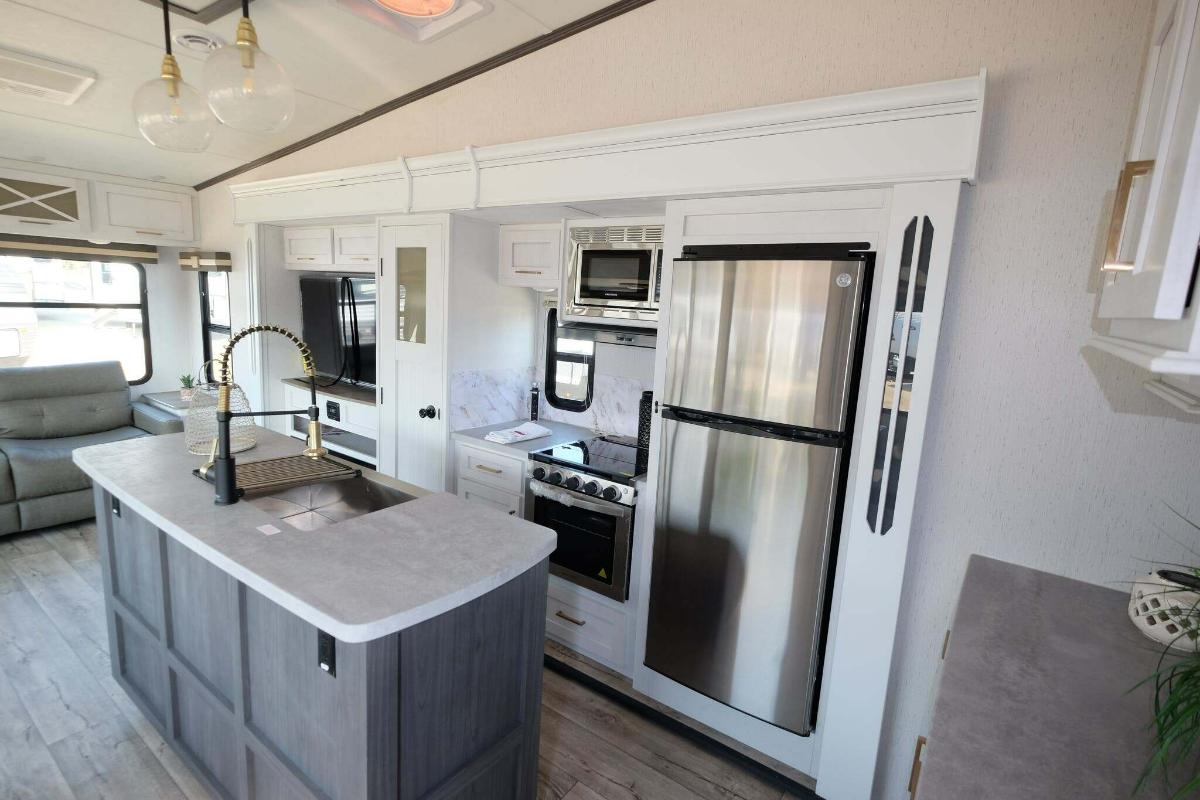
x,y
308,248
531,255
503,502
1156,224
36,204
131,213
355,247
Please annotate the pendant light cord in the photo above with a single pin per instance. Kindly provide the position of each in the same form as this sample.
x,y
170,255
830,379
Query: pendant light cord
x,y
167,26
246,9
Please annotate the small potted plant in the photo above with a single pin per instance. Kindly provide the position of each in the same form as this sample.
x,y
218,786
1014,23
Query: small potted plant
x,y
187,388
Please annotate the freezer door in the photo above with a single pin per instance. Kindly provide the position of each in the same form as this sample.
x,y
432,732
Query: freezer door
x,y
741,543
764,340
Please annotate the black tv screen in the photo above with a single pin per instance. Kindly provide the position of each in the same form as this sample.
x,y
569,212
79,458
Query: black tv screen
x,y
338,313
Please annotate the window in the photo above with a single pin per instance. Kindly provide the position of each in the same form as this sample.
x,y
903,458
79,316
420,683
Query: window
x,y
214,318
570,368
54,311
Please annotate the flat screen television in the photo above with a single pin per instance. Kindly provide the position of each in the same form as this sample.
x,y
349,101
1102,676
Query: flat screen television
x,y
338,313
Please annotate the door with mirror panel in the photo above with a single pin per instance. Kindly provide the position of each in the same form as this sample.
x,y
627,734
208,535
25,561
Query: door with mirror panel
x,y
412,356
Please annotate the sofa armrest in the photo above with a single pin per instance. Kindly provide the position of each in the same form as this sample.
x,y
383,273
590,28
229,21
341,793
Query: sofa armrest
x,y
155,420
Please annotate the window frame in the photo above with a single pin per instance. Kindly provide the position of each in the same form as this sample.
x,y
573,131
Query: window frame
x,y
552,359
143,305
208,327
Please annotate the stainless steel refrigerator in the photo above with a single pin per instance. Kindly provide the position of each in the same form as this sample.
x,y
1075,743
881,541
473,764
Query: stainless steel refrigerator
x,y
763,348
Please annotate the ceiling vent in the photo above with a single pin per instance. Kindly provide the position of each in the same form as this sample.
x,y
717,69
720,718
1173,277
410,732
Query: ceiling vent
x,y
419,29
197,40
41,78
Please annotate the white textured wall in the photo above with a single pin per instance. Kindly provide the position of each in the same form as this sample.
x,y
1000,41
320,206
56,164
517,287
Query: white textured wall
x,y
1038,452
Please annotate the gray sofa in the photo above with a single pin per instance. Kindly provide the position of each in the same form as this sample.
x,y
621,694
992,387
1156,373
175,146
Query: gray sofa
x,y
45,413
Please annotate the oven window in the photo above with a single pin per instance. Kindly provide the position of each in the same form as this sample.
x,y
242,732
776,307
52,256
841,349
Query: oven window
x,y
615,275
586,540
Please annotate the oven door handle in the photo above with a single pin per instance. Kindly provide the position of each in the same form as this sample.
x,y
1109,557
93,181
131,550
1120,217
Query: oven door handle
x,y
568,499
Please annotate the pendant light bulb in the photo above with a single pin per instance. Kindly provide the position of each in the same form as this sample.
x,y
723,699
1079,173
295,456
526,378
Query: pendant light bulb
x,y
170,114
246,88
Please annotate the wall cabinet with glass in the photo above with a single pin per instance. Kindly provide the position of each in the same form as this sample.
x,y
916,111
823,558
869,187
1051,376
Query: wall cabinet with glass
x,y
1150,255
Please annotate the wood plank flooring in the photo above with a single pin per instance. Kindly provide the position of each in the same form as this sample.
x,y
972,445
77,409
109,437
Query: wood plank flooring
x,y
68,731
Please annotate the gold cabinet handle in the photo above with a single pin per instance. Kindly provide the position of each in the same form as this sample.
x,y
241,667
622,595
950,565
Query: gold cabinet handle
x,y
490,470
360,258
529,271
148,233
34,222
570,619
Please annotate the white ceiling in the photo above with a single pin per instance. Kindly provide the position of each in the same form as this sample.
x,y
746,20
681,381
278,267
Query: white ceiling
x,y
340,64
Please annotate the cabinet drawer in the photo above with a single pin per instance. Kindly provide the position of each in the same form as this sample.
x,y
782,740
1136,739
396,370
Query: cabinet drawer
x,y
504,502
587,627
490,469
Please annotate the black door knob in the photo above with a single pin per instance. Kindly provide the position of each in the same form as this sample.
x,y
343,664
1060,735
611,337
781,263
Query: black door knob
x,y
428,412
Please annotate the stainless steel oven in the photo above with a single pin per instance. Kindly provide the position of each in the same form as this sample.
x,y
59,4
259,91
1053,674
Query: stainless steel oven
x,y
590,506
613,275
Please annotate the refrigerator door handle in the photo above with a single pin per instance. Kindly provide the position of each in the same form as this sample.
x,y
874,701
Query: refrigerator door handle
x,y
754,428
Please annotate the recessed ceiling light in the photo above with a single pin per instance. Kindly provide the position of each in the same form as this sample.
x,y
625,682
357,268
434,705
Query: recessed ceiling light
x,y
198,40
418,8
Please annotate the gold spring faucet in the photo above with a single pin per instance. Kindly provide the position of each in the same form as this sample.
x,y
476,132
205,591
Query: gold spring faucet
x,y
221,468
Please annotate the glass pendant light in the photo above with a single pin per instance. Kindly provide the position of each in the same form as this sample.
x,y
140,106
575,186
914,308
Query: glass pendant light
x,y
417,8
170,114
246,88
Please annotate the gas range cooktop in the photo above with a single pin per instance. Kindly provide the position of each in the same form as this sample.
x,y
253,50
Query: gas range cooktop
x,y
612,457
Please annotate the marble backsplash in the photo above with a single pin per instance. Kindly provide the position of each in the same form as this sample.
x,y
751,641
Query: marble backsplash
x,y
488,397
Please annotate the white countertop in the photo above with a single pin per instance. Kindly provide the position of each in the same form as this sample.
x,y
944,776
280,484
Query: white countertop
x,y
560,432
359,579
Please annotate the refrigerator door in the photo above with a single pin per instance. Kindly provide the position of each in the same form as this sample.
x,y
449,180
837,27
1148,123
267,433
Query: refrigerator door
x,y
741,544
769,340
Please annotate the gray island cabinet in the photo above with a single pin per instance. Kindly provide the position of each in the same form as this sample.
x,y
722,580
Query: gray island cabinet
x,y
390,654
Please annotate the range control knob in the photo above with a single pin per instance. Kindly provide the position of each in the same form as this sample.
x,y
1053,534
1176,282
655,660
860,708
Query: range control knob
x,y
572,482
610,493
591,487
539,472
554,477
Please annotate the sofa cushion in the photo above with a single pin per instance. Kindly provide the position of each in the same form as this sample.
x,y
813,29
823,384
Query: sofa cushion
x,y
67,400
7,492
42,512
43,467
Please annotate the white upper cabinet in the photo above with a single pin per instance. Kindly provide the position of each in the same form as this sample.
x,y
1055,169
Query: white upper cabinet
x,y
356,247
341,248
37,204
531,255
308,248
134,214
1155,227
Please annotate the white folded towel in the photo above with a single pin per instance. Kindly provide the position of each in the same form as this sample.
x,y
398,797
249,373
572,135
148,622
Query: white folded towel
x,y
521,433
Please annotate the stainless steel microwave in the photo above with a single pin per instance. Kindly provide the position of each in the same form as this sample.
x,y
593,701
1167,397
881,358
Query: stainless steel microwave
x,y
613,275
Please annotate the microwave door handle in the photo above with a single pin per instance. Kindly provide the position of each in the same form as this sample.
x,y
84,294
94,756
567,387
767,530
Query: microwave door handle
x,y
567,499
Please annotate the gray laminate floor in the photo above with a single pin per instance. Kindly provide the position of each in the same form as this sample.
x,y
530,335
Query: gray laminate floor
x,y
68,731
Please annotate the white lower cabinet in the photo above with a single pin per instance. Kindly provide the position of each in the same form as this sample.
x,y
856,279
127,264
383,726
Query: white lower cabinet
x,y
587,624
504,502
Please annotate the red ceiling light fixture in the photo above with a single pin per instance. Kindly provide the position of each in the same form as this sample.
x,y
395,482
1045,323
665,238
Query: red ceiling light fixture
x,y
418,8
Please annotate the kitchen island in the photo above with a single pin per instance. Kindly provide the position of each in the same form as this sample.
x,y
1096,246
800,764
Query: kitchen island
x,y
385,645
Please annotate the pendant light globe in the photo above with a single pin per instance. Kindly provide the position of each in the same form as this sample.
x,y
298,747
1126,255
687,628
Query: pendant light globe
x,y
247,89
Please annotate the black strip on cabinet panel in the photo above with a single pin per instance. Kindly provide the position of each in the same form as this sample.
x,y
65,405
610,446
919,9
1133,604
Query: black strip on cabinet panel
x,y
907,372
891,371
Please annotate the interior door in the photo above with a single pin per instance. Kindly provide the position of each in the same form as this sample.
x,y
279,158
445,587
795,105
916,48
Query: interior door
x,y
412,354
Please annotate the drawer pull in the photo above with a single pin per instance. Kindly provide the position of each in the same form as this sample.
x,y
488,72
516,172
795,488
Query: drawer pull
x,y
360,258
305,258
34,222
149,233
489,470
570,619
529,271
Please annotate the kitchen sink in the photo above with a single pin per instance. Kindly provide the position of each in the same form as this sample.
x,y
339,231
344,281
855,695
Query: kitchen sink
x,y
317,505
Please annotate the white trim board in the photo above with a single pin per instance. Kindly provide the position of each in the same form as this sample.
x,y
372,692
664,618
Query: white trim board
x,y
908,134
